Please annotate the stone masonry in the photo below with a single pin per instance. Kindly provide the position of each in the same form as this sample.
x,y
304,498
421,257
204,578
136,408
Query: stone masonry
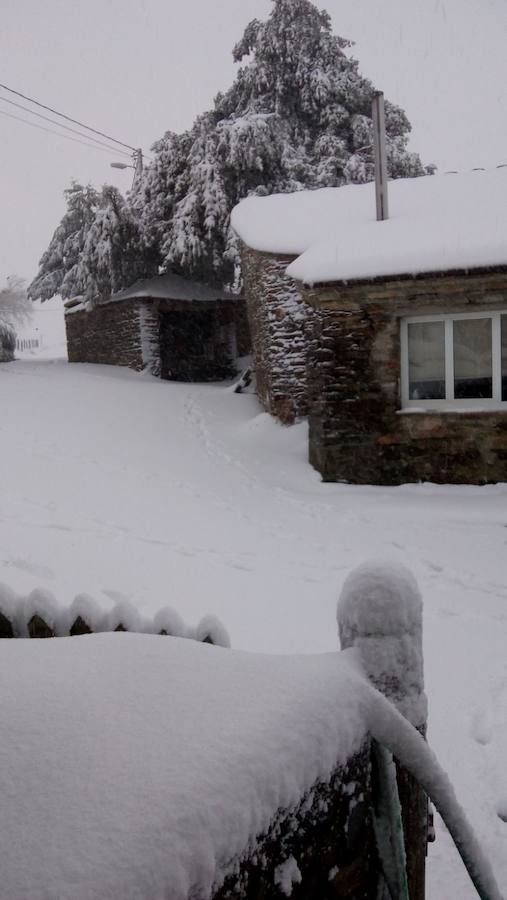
x,y
178,340
109,334
279,321
358,433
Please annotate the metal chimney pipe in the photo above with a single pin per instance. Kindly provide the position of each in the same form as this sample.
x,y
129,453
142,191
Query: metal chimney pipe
x,y
380,154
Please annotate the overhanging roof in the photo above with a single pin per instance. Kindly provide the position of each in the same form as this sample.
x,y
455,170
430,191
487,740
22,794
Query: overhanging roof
x,y
172,287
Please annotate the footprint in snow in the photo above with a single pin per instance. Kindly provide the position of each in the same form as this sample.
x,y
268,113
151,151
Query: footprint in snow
x,y
501,809
32,568
115,596
482,729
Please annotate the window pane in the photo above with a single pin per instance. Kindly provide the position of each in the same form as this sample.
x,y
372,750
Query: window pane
x,y
472,358
426,361
504,357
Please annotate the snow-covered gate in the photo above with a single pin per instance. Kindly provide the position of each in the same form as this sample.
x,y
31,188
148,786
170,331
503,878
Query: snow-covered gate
x,y
279,776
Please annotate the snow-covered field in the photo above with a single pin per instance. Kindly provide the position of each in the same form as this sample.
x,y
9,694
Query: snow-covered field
x,y
119,485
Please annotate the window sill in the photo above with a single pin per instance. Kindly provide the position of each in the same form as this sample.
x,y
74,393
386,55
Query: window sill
x,y
462,410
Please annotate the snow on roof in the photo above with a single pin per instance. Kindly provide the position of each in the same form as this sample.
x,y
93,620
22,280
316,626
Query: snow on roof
x,y
172,287
437,223
139,766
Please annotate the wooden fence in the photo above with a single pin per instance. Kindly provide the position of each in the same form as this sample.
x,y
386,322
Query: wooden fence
x,y
38,616
27,343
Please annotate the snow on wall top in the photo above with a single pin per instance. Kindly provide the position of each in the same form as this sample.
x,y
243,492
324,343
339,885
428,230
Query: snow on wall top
x,y
171,287
138,766
437,223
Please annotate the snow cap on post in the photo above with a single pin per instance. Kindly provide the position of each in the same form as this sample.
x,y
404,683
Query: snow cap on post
x,y
380,613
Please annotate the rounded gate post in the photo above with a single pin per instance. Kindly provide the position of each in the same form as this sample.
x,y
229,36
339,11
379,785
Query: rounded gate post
x,y
380,613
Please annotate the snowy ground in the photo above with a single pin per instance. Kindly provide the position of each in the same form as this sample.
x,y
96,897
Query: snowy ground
x,y
119,485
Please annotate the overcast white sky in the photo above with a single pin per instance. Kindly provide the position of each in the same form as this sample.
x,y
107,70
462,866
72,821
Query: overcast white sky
x,y
135,68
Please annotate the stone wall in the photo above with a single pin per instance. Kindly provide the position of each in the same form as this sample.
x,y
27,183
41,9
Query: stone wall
x,y
178,340
109,334
278,320
329,836
357,433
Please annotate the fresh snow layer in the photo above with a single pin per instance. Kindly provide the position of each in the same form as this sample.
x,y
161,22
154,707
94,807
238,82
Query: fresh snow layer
x,y
436,223
138,766
380,613
189,496
19,611
171,287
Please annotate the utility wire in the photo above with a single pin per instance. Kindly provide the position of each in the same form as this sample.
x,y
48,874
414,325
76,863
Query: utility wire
x,y
63,116
61,125
67,137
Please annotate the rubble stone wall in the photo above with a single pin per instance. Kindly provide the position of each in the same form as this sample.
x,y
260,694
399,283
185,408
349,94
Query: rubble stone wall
x,y
109,334
357,432
279,320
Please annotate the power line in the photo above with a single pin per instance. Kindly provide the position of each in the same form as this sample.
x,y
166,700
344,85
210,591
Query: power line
x,y
63,116
66,137
61,125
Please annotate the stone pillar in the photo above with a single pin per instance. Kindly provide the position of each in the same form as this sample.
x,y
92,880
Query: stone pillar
x,y
380,613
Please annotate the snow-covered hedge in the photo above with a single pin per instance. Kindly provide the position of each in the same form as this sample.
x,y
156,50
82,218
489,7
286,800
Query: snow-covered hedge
x,y
7,342
39,615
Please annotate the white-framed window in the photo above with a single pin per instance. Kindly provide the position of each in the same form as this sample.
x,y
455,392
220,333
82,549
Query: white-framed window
x,y
454,361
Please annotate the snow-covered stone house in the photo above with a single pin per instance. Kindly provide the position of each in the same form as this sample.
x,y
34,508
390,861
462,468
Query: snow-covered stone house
x,y
175,328
391,335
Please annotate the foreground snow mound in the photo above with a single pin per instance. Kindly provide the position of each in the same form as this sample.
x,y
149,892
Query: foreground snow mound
x,y
136,766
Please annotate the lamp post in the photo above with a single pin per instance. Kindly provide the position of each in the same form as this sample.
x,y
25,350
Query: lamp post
x,y
137,164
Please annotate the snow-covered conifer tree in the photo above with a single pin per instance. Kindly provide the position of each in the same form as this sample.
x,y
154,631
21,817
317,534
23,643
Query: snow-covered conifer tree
x,y
298,115
114,253
15,307
57,267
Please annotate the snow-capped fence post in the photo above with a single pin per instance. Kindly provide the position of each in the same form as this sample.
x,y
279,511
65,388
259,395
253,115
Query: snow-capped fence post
x,y
380,613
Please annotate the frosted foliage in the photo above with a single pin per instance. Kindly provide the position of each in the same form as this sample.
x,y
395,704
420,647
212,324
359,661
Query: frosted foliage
x,y
297,115
57,267
7,338
114,254
15,307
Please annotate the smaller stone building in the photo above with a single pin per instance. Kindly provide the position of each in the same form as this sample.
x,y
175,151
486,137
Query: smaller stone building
x,y
391,335
175,328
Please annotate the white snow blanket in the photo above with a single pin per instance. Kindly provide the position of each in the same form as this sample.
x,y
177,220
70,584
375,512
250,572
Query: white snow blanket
x,y
129,488
139,766
436,223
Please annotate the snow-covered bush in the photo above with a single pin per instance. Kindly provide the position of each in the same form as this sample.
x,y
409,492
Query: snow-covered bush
x,y
7,342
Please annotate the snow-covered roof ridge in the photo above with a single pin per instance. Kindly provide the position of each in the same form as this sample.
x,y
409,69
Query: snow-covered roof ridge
x,y
437,223
19,611
172,287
